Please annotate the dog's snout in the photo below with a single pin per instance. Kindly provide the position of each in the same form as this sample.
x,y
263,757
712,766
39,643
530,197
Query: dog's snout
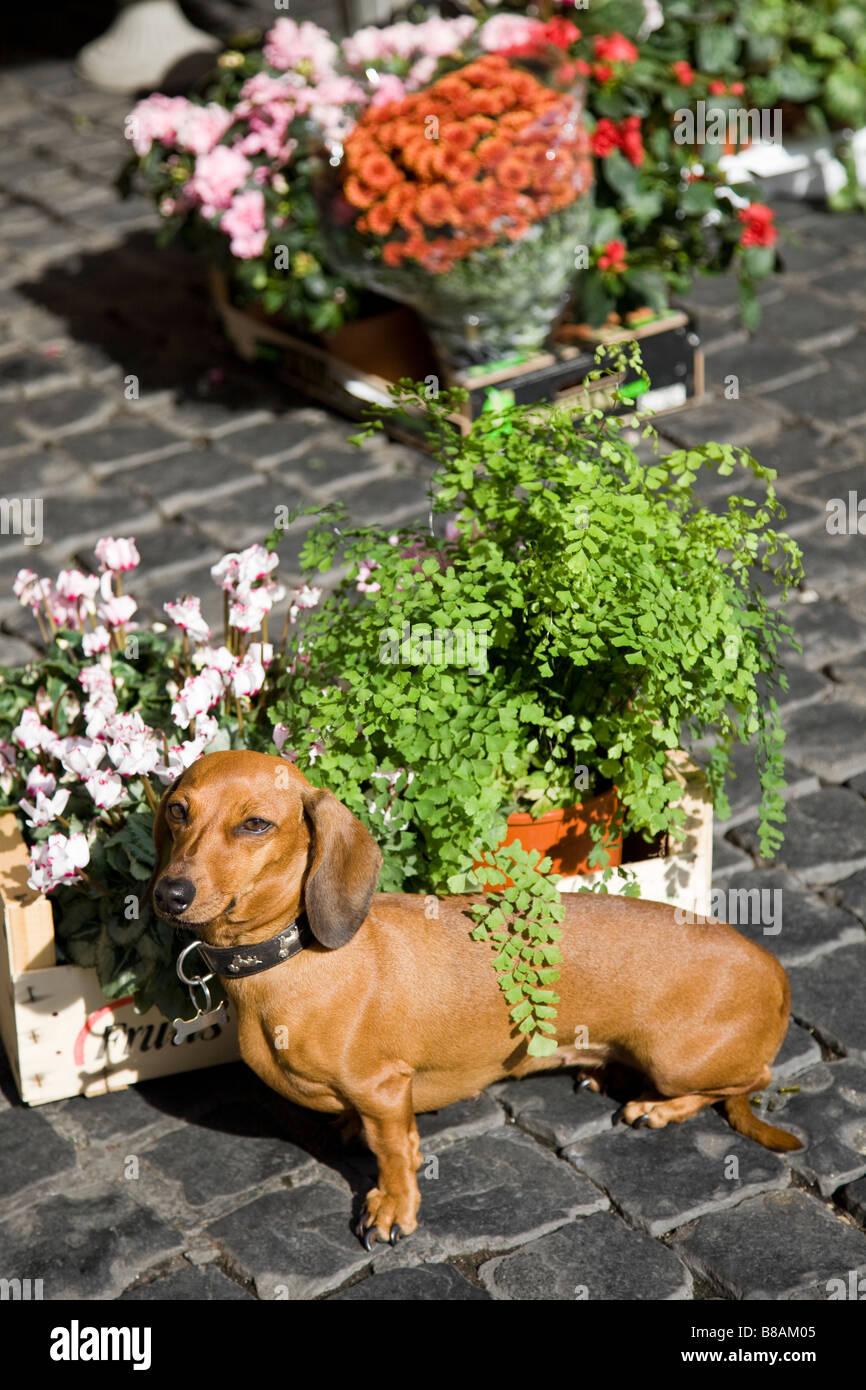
x,y
174,895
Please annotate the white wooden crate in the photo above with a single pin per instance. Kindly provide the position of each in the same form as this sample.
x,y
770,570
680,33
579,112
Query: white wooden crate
x,y
62,1036
683,874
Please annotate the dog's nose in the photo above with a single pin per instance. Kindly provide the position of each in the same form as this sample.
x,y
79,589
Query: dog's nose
x,y
173,895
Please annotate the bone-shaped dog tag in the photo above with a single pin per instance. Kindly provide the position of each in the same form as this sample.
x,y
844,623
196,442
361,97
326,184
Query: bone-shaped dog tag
x,y
185,1027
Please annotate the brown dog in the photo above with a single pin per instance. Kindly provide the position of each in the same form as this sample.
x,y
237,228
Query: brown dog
x,y
377,1011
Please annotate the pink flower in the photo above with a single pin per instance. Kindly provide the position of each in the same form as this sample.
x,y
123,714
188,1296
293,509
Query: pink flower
x,y
205,728
133,745
155,118
58,860
366,46
281,733
439,38
217,177
201,127
99,640
388,88
186,613
256,562
29,589
105,788
38,780
305,597
31,733
117,554
365,569
249,674
511,33
225,571
46,808
180,757
250,606
300,46
117,609
245,224
74,585
82,757
198,695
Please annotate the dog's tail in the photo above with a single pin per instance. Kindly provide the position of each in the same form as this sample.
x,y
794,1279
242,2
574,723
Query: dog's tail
x,y
743,1119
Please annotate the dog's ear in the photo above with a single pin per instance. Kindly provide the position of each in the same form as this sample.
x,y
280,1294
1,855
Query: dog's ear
x,y
343,869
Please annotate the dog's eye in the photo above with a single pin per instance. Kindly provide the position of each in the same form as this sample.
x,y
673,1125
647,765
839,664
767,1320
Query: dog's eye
x,y
176,811
257,824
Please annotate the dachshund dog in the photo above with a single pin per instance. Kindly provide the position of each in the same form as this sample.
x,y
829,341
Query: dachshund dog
x,y
359,1004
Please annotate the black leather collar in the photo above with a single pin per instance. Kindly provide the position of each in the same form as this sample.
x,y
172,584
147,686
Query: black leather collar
x,y
234,962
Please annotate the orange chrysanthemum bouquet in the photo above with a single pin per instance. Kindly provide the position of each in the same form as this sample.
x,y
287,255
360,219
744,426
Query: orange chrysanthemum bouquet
x,y
468,201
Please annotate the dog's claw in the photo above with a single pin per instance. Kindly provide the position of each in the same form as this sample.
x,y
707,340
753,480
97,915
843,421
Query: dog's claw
x,y
642,1122
366,1239
396,1232
618,1116
584,1083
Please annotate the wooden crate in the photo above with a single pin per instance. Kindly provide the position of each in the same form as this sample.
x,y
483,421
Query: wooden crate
x,y
356,366
677,871
62,1036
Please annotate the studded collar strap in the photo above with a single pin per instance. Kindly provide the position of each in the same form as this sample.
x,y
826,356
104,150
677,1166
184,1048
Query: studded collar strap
x,y
234,962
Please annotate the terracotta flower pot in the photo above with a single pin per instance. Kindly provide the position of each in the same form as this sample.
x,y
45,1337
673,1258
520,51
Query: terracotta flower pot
x,y
564,835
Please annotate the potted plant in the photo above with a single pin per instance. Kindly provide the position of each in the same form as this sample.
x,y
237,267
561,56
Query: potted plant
x,y
235,169
92,732
574,618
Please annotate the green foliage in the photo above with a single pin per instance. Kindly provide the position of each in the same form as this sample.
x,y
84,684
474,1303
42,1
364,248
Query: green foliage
x,y
520,918
619,617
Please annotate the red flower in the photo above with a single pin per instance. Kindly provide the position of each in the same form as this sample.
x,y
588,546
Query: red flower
x,y
717,88
737,89
758,229
631,141
684,72
602,72
561,32
605,138
582,67
613,257
614,48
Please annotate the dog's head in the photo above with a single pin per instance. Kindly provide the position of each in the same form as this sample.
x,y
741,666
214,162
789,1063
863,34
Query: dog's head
x,y
245,841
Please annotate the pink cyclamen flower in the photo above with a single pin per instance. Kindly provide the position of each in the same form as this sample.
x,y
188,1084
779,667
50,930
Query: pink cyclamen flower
x,y
186,613
74,585
133,746
225,571
205,728
198,695
45,809
29,589
117,610
31,733
201,127
180,757
249,674
117,554
303,47
244,223
217,177
99,640
81,756
105,788
38,780
58,860
280,734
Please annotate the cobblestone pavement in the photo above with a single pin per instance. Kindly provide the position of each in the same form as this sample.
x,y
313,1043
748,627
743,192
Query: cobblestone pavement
x,y
532,1193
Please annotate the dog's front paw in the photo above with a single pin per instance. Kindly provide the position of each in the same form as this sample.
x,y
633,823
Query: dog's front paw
x,y
387,1218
